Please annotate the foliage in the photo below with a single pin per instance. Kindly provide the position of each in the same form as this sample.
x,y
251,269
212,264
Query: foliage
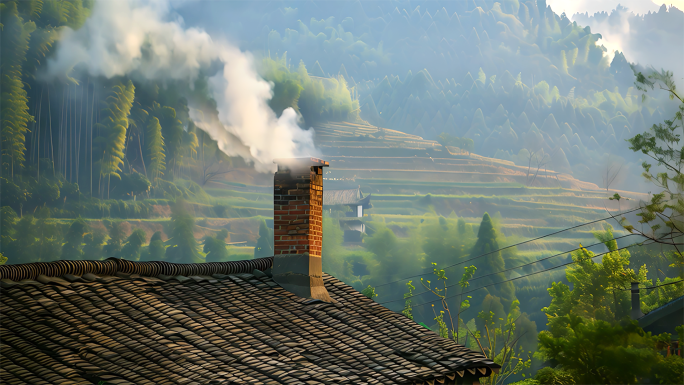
x,y
216,249
113,126
134,243
172,136
487,244
652,299
264,246
132,184
553,376
447,140
369,292
497,341
408,310
670,370
663,214
316,99
590,336
34,240
15,116
155,149
116,238
155,250
182,246
73,247
8,217
93,247
599,352
597,291
444,242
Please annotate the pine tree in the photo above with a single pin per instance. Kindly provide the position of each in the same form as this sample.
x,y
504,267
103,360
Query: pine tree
x,y
215,248
493,262
116,237
155,250
93,244
264,247
134,242
182,244
73,248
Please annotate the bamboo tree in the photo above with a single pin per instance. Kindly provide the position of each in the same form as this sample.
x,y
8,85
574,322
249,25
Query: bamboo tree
x,y
113,127
92,108
155,149
172,132
40,111
14,100
78,137
52,150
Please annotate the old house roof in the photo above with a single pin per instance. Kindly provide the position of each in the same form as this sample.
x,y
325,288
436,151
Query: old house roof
x,y
345,197
673,309
125,322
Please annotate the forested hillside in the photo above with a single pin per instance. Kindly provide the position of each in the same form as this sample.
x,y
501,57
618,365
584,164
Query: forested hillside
x,y
523,82
147,131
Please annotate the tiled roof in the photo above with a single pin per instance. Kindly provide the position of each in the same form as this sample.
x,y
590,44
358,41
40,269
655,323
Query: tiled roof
x,y
103,324
673,307
344,197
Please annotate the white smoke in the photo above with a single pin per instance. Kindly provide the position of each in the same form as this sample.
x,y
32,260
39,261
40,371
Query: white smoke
x,y
128,37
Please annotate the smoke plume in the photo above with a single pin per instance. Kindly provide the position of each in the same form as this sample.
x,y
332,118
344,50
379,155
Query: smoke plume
x,y
139,38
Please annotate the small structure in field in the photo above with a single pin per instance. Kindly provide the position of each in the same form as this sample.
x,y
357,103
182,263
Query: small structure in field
x,y
353,203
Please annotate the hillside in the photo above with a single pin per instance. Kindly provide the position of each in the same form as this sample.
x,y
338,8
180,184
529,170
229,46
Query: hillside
x,y
514,76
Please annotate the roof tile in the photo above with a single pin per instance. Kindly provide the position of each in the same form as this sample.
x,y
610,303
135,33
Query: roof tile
x,y
201,326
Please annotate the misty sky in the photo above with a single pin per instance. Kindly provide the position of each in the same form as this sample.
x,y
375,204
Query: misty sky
x,y
571,7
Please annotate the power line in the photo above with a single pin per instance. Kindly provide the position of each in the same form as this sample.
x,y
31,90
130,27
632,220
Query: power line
x,y
517,267
655,287
516,278
514,245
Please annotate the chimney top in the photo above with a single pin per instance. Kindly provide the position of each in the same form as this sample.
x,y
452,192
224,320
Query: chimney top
x,y
299,163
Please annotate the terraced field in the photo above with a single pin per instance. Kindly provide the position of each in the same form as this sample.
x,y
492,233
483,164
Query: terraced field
x,y
410,177
401,169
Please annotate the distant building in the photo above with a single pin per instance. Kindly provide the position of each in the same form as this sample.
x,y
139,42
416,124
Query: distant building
x,y
663,319
352,226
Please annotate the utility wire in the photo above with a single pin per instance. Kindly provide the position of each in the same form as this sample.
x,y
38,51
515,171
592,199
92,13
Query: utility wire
x,y
514,245
517,267
655,287
516,278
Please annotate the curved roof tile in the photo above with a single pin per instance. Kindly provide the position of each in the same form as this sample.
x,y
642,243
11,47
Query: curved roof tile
x,y
109,321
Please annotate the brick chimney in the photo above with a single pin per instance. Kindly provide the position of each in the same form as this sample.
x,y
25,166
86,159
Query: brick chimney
x,y
298,227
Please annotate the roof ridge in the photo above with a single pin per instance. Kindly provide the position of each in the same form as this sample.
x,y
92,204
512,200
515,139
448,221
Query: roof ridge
x,y
111,266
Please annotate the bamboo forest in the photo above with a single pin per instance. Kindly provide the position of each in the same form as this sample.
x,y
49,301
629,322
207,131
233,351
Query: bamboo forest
x,y
341,192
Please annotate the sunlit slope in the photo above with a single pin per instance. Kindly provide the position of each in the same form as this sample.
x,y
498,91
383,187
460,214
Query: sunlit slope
x,y
401,169
389,159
